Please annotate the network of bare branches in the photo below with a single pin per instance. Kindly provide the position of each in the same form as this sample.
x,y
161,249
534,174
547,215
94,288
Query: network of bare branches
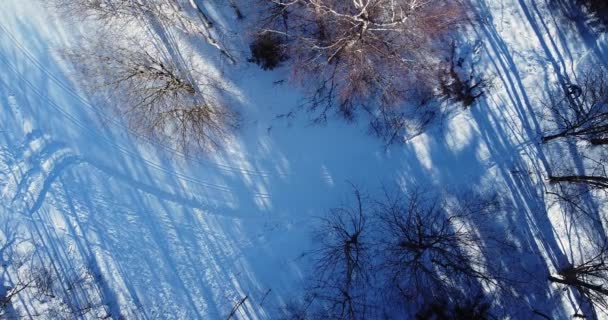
x,y
184,15
589,277
580,111
416,245
31,285
363,53
159,97
107,10
427,248
579,203
473,307
461,84
594,177
342,235
342,262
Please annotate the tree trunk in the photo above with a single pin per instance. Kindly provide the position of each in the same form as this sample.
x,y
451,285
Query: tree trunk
x,y
599,141
578,283
554,136
601,182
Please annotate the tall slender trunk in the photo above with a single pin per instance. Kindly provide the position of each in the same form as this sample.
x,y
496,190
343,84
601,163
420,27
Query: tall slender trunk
x,y
599,141
208,24
554,136
578,283
601,182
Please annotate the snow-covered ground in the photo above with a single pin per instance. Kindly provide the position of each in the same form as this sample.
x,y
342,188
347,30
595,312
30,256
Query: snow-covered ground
x,y
187,237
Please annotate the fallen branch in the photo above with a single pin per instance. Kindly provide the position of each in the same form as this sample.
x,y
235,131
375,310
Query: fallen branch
x,y
236,307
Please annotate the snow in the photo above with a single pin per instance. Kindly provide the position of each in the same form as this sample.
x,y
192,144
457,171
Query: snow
x,y
186,236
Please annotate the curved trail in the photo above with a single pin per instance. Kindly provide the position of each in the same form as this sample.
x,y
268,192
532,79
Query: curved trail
x,y
84,102
39,161
119,148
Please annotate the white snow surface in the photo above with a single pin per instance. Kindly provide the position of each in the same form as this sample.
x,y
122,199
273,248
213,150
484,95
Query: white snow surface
x,y
187,237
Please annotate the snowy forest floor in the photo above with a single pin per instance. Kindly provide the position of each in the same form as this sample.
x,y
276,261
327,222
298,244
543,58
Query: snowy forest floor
x,y
169,235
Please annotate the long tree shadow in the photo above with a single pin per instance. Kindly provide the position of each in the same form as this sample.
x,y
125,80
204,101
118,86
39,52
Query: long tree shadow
x,y
205,279
524,172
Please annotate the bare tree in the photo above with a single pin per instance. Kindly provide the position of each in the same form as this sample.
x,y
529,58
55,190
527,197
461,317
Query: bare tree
x,y
112,11
155,87
578,202
158,96
267,50
460,84
418,245
342,262
596,176
594,181
426,247
581,111
169,13
589,277
342,235
363,53
394,125
298,310
9,293
31,285
474,307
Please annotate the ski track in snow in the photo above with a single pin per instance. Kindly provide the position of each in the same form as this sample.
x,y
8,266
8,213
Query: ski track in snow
x,y
118,147
112,119
34,175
